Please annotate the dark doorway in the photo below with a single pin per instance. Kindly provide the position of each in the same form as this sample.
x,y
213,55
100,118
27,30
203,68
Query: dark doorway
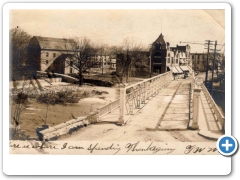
x,y
157,69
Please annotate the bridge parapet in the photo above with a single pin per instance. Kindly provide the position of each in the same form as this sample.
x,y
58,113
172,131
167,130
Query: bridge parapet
x,y
219,117
132,97
194,99
195,91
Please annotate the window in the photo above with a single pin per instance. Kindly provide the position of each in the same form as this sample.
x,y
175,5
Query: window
x,y
54,54
176,61
104,63
47,54
46,61
157,58
71,70
172,61
198,62
197,67
192,56
71,63
158,46
198,56
169,60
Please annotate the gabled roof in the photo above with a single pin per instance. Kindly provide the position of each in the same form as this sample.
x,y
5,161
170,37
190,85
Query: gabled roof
x,y
55,43
160,38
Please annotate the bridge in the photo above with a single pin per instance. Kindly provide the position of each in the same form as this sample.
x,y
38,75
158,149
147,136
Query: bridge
x,y
164,104
148,109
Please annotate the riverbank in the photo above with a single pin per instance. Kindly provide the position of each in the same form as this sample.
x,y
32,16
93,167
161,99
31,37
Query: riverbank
x,y
35,113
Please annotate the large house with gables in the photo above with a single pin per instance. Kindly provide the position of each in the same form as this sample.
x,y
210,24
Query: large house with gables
x,y
50,54
159,59
165,58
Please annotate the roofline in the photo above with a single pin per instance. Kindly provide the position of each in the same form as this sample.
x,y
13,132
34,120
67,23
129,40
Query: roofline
x,y
53,38
59,50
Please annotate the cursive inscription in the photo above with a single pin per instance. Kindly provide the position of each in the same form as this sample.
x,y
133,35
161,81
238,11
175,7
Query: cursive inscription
x,y
134,147
34,146
195,149
65,145
96,147
114,148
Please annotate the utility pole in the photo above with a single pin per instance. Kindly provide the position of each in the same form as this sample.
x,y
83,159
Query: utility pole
x,y
102,64
214,57
207,63
150,64
206,78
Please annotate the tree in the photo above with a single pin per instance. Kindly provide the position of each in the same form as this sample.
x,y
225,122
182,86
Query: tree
x,y
19,40
81,59
19,100
129,55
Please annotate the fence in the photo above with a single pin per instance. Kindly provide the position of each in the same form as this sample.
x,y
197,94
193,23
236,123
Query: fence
x,y
215,110
135,95
108,108
195,91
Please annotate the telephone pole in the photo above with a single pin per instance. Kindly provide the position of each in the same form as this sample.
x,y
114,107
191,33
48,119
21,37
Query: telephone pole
x,y
150,63
207,63
214,57
214,60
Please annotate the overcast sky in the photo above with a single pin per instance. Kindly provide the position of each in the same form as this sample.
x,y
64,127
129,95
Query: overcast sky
x,y
112,26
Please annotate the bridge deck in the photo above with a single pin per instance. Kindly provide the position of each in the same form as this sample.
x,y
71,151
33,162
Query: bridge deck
x,y
169,110
164,118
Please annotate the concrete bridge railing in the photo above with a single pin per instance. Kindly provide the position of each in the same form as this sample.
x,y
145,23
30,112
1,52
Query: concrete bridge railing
x,y
48,133
135,95
219,117
195,91
108,108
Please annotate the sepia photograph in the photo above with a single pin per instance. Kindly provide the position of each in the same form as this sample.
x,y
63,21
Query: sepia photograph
x,y
116,81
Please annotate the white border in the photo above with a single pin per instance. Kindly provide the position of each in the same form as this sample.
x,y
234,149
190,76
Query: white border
x,y
115,165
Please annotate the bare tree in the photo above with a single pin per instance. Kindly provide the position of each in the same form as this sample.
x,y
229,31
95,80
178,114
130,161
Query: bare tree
x,y
128,54
18,102
81,59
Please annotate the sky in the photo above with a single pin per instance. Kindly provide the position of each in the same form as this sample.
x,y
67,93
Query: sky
x,y
112,26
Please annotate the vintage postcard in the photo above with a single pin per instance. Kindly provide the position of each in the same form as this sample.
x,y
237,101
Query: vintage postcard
x,y
110,79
